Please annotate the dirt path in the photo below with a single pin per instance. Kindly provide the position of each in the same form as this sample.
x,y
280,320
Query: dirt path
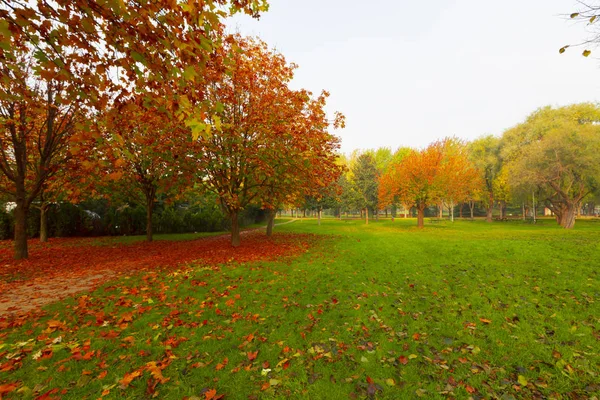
x,y
63,267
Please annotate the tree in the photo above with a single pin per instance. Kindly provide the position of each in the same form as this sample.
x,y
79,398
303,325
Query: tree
x,y
462,178
365,181
85,42
588,13
39,120
145,151
485,155
268,138
421,178
558,152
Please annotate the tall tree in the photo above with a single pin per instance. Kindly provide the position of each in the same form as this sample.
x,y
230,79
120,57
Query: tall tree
x,y
485,155
267,138
365,181
38,122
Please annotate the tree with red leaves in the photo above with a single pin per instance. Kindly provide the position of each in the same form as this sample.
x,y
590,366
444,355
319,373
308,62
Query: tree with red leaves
x,y
268,139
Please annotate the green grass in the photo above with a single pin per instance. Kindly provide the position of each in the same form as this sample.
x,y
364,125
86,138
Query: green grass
x,y
503,310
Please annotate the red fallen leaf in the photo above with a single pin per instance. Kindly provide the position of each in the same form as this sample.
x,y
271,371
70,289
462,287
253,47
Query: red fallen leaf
x,y
54,325
46,353
7,388
286,365
127,317
110,334
222,364
462,360
265,386
210,394
252,355
485,321
156,372
369,380
265,364
102,374
470,389
128,378
556,354
89,355
411,285
403,360
334,300
230,303
47,395
416,336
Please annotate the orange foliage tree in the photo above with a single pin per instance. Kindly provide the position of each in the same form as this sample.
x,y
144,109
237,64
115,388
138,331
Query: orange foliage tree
x,y
39,123
441,171
144,151
267,138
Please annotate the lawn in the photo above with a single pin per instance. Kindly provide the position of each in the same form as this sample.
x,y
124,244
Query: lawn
x,y
457,310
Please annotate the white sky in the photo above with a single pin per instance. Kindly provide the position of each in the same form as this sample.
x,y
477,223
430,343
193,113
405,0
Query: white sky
x,y
408,73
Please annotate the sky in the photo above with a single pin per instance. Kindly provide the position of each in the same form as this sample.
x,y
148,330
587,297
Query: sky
x,y
406,73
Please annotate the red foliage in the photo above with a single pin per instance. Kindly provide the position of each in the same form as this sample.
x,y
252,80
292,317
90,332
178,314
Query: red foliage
x,y
76,259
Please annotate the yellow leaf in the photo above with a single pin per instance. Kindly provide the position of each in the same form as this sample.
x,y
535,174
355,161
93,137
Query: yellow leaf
x,y
593,19
412,356
522,380
574,15
390,382
586,53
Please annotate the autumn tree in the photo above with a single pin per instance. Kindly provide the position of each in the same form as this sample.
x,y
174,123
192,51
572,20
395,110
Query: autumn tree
x,y
145,152
557,150
461,176
99,47
268,138
303,163
39,119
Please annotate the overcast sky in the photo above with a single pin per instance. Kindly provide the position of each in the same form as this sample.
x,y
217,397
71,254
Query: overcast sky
x,y
408,73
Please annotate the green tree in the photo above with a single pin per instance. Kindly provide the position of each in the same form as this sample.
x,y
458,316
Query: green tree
x,y
557,150
365,181
485,155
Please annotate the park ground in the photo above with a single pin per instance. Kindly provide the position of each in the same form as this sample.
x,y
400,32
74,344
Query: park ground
x,y
341,310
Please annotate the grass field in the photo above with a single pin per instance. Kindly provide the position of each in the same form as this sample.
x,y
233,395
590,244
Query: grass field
x,y
457,310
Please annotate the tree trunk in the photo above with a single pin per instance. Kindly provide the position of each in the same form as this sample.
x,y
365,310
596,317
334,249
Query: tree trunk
x,y
270,222
367,215
567,218
319,216
149,207
235,230
21,229
44,223
441,210
460,210
452,211
490,209
420,217
472,209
